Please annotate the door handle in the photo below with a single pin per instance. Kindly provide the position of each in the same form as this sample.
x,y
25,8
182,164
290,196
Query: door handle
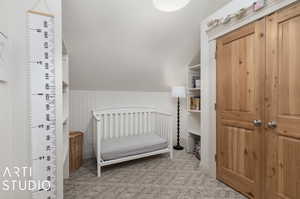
x,y
272,124
257,123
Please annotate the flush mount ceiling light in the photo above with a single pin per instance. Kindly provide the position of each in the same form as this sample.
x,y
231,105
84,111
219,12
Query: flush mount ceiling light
x,y
170,5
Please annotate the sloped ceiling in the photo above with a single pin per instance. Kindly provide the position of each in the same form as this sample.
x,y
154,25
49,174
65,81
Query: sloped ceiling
x,y
129,44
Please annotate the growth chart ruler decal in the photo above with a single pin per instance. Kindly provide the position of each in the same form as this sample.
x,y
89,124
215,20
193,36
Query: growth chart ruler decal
x,y
42,79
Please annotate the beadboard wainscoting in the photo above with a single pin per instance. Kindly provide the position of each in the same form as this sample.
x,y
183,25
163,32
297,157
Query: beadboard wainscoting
x,y
83,102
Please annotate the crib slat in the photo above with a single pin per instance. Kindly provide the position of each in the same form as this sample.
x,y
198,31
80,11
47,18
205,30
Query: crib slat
x,y
135,124
111,125
169,128
149,122
160,126
142,122
131,124
105,126
138,123
154,123
117,125
121,125
126,124
101,127
145,122
165,128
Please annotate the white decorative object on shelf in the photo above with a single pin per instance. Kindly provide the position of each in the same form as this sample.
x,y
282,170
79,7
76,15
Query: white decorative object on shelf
x,y
197,83
213,23
227,19
259,5
3,57
240,14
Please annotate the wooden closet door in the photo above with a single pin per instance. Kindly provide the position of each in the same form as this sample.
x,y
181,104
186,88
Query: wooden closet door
x,y
283,104
240,99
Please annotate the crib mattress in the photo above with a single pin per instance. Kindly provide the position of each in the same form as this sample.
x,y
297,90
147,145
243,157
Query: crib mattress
x,y
112,149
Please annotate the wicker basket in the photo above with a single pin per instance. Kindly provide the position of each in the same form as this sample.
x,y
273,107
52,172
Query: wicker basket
x,y
76,150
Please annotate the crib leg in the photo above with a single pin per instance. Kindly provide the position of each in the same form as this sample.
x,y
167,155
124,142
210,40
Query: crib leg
x,y
171,154
98,170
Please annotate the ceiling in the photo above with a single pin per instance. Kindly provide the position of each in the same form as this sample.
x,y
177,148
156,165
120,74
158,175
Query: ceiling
x,y
130,45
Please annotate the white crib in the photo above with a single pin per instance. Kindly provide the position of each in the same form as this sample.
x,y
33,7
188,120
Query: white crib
x,y
124,130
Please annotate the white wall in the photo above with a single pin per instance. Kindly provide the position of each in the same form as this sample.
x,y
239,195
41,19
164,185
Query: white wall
x,y
113,44
83,102
6,152
15,145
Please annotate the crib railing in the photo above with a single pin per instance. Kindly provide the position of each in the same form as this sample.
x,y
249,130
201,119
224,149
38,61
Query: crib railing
x,y
131,121
126,123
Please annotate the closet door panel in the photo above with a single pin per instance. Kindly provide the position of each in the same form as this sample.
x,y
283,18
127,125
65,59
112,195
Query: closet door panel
x,y
240,80
237,152
282,143
289,168
288,114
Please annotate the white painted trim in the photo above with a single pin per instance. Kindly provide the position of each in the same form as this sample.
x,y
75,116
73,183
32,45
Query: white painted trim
x,y
208,74
270,8
124,108
66,152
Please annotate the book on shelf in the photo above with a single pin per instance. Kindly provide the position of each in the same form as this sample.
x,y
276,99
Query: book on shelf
x,y
195,103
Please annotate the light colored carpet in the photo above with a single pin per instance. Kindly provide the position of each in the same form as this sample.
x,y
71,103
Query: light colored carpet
x,y
150,178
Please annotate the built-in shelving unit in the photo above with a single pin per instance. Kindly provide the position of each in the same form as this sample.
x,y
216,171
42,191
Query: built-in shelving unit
x,y
193,108
193,89
65,122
